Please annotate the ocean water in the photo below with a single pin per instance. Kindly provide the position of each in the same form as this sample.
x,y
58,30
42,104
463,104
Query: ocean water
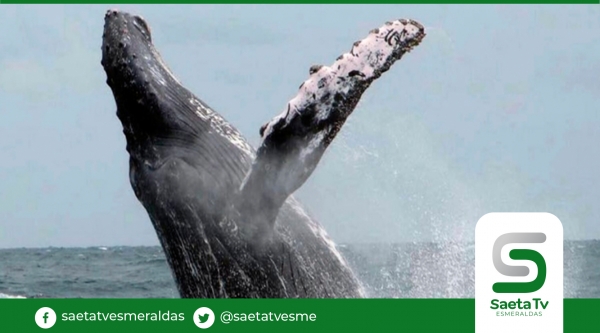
x,y
419,270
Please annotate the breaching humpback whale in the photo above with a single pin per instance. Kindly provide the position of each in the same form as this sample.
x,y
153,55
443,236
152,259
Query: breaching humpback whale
x,y
222,211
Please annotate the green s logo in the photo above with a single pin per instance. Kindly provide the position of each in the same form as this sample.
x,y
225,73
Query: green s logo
x,y
519,254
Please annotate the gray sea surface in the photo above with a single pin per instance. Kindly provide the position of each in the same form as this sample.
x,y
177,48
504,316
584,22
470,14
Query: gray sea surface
x,y
406,270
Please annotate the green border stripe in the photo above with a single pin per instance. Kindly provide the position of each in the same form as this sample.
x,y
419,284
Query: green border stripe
x,y
331,315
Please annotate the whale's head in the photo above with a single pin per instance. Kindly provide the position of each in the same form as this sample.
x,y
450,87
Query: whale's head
x,y
117,23
126,48
170,133
142,85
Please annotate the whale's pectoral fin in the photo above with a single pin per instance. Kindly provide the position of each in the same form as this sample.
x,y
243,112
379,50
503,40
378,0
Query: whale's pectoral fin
x,y
294,142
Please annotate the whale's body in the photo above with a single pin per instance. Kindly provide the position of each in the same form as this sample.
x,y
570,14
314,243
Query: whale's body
x,y
223,235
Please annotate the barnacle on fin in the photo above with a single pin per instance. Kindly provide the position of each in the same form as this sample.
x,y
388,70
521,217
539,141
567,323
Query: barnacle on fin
x,y
314,68
262,129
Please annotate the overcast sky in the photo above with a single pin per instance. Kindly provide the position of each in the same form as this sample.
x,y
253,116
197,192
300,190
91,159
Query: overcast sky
x,y
497,110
